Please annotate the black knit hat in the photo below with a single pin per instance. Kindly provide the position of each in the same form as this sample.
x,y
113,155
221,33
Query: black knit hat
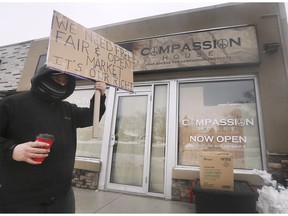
x,y
47,89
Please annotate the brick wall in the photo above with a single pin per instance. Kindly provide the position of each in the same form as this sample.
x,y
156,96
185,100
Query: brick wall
x,y
85,179
278,167
181,190
12,63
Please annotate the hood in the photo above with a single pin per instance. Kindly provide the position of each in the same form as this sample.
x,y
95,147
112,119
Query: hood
x,y
41,76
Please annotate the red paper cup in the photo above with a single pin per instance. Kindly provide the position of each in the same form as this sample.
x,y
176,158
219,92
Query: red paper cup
x,y
46,138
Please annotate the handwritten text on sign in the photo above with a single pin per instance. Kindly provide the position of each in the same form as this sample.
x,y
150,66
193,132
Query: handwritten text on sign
x,y
80,51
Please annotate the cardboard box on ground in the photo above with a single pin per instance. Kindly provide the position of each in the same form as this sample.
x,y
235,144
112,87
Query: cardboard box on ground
x,y
216,170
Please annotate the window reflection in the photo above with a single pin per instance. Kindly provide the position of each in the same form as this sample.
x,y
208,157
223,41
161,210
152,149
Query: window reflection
x,y
219,116
87,146
129,146
158,143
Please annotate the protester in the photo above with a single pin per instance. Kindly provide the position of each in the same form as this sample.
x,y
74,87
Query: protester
x,y
28,186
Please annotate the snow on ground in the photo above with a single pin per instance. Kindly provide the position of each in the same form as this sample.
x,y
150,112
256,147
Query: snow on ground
x,y
273,198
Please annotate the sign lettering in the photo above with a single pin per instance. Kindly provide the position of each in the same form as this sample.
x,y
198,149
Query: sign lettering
x,y
83,53
237,45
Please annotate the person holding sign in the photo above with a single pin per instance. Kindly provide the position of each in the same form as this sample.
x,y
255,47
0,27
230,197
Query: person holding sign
x,y
35,178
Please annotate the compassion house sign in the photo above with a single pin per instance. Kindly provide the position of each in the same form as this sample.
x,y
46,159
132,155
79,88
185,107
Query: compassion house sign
x,y
205,48
81,52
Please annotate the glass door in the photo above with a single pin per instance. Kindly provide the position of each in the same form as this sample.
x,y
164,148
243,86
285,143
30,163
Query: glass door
x,y
129,142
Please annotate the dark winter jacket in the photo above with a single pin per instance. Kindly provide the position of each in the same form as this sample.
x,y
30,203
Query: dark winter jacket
x,y
22,117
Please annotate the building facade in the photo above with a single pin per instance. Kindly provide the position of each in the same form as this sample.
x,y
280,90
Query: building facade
x,y
213,79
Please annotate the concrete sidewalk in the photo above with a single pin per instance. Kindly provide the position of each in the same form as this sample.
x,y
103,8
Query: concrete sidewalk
x,y
90,201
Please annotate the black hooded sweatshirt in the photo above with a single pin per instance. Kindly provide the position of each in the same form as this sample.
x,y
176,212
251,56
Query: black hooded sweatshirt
x,y
22,117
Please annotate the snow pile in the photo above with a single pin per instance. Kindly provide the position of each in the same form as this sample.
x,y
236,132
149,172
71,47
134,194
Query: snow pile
x,y
273,197
271,200
267,177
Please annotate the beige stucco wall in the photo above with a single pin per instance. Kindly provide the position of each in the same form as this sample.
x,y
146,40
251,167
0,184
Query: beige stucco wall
x,y
185,174
91,165
37,48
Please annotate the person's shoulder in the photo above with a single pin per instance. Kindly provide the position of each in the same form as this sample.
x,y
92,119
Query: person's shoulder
x,y
18,95
15,97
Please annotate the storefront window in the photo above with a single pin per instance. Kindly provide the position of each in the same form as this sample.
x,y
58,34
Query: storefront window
x,y
87,146
158,141
41,61
219,116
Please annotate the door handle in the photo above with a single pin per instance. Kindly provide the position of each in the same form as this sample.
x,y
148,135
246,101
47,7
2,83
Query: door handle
x,y
112,140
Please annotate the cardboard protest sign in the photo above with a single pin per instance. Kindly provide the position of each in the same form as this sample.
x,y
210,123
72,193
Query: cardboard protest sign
x,y
81,52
